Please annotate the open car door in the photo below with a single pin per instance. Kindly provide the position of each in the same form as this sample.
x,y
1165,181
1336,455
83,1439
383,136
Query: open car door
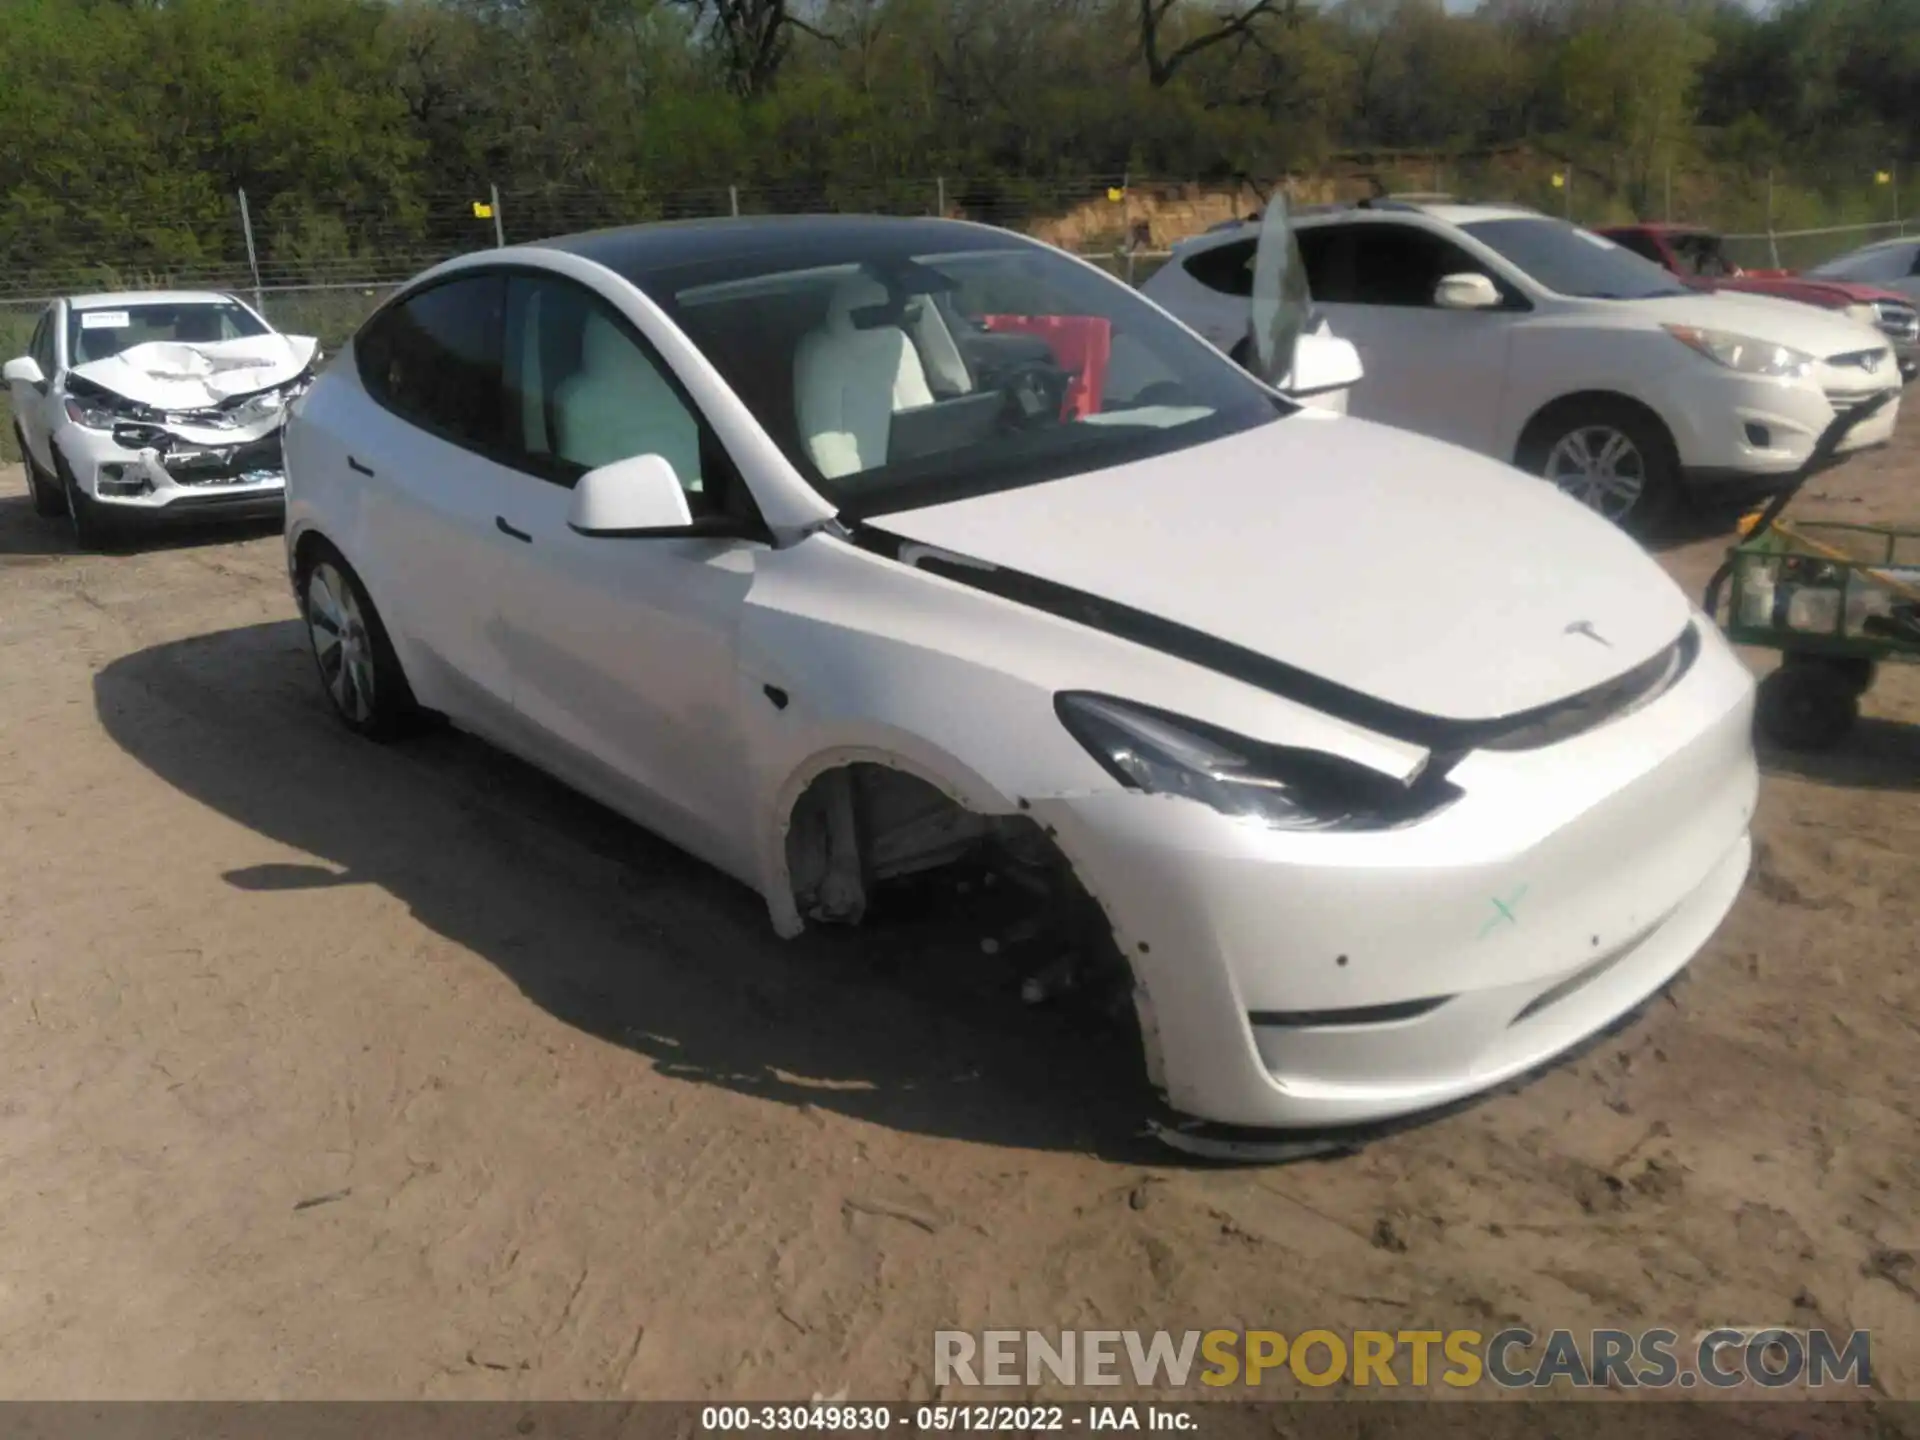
x,y
1280,297
1312,366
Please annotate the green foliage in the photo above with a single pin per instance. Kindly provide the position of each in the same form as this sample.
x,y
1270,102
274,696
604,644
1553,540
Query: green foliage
x,y
363,130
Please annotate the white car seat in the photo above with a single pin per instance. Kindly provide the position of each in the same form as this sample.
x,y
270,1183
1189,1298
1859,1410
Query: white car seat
x,y
618,405
848,382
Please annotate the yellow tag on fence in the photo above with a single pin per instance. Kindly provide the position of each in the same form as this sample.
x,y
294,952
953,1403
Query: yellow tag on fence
x,y
482,210
1116,194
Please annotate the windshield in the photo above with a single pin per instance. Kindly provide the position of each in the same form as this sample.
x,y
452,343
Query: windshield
x,y
98,334
1701,254
1574,262
897,380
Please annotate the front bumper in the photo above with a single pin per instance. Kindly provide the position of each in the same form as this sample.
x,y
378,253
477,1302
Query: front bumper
x,y
1747,426
1293,980
244,478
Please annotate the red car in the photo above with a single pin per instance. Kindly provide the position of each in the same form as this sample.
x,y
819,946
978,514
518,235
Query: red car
x,y
1696,255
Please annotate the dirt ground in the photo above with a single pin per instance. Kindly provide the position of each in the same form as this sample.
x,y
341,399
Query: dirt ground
x,y
331,1070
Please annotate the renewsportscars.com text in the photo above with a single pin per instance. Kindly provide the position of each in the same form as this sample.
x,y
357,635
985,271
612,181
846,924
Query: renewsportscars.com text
x,y
1773,1358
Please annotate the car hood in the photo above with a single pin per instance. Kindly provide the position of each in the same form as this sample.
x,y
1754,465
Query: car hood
x,y
172,375
1765,317
1811,291
1402,568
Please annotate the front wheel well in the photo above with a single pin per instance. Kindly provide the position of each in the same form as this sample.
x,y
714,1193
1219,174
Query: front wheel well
x,y
1538,428
309,548
867,842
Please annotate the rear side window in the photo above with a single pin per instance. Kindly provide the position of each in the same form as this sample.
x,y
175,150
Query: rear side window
x,y
434,359
1227,269
1640,243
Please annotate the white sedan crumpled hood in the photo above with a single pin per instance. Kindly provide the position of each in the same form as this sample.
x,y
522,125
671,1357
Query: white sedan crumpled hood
x,y
1404,568
170,375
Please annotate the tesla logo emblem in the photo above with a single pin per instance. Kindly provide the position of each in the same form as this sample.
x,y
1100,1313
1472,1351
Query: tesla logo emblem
x,y
1585,627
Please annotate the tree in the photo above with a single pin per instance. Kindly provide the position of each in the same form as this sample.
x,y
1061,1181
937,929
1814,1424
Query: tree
x,y
754,38
1628,75
1162,23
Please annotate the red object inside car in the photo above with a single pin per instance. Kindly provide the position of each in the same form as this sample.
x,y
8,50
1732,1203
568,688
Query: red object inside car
x,y
1082,345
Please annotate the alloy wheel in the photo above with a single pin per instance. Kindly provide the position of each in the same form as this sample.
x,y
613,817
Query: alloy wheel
x,y
1600,466
340,642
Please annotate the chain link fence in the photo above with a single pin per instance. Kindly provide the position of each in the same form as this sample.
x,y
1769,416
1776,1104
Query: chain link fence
x,y
317,267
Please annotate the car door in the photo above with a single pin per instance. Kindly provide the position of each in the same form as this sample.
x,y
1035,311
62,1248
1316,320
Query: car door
x,y
33,405
622,650
427,456
1438,372
1216,303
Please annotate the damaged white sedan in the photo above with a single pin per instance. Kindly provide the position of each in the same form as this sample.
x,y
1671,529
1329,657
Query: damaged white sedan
x,y
154,405
838,550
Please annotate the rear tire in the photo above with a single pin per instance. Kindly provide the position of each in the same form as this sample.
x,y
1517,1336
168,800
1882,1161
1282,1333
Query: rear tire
x,y
1808,704
48,502
1610,455
358,667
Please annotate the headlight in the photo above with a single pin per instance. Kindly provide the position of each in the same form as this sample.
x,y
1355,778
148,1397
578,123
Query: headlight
x,y
1744,353
1285,787
89,413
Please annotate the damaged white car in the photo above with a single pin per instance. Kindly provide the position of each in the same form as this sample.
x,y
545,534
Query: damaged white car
x,y
155,405
1371,772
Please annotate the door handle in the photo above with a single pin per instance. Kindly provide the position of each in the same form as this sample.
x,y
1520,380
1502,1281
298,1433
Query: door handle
x,y
359,469
500,523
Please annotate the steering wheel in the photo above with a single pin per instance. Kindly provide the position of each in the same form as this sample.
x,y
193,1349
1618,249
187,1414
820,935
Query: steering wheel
x,y
1035,391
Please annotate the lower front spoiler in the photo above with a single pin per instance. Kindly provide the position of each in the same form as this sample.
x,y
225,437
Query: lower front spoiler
x,y
191,509
1585,1011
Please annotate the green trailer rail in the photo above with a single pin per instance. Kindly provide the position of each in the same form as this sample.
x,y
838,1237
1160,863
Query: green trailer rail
x,y
1835,599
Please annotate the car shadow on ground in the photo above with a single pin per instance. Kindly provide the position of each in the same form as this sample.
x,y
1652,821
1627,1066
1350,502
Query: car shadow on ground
x,y
612,930
1878,755
616,932
24,534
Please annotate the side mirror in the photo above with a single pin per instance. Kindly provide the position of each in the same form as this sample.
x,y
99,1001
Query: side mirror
x,y
24,371
1466,292
1323,363
631,498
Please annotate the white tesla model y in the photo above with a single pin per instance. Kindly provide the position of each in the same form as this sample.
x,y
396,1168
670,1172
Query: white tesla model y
x,y
836,549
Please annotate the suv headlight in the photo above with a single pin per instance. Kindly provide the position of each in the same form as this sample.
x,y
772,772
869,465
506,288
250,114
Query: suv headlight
x,y
1744,353
1285,787
89,413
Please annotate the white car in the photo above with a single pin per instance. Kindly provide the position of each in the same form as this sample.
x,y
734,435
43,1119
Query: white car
x,y
1372,771
1207,284
1528,339
1894,264
153,405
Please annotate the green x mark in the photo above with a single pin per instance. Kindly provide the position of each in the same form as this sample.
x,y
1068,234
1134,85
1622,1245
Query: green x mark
x,y
1503,912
